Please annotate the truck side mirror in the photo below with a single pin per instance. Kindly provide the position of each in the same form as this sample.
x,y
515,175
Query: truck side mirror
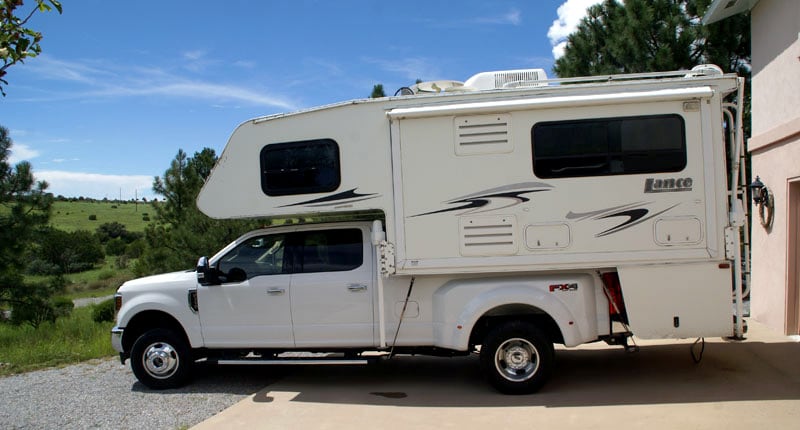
x,y
205,275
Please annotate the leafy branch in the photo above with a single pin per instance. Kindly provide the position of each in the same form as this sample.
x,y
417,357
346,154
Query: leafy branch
x,y
18,42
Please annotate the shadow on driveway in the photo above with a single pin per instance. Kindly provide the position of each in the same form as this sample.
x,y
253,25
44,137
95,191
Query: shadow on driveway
x,y
658,374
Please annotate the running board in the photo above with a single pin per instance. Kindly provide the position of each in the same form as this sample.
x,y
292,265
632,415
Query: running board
x,y
294,361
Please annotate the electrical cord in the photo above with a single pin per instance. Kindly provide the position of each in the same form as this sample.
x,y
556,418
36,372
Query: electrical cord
x,y
698,357
402,313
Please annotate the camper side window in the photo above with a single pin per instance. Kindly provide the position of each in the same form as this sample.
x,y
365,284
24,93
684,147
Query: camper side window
x,y
310,166
609,146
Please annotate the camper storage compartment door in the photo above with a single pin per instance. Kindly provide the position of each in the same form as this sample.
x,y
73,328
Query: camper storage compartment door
x,y
678,300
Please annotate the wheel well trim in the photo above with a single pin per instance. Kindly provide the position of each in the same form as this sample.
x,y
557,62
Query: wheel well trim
x,y
523,295
151,319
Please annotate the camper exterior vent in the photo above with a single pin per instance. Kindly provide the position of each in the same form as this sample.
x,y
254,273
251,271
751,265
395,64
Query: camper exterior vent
x,y
482,134
488,235
507,79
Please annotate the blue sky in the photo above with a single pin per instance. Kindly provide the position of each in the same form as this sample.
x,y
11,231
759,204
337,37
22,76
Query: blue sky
x,y
121,86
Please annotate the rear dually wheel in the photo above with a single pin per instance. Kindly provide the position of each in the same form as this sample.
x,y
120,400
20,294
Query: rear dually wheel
x,y
517,358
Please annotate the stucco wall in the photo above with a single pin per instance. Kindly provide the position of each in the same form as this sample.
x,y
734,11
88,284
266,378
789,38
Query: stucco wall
x,y
776,167
776,67
775,147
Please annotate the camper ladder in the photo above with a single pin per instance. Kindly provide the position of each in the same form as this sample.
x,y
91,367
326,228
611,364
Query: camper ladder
x,y
737,206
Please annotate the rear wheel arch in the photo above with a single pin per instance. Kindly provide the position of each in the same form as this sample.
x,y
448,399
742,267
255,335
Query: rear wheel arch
x,y
515,312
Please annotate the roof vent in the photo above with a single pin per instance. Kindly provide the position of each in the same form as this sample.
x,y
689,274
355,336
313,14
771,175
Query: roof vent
x,y
507,79
705,70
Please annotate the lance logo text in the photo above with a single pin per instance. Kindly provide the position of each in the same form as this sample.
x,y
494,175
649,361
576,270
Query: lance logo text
x,y
652,185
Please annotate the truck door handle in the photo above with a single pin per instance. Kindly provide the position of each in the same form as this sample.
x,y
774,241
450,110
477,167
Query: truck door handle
x,y
355,288
276,291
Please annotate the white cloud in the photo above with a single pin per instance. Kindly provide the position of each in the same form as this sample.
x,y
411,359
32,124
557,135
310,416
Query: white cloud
x,y
95,185
21,152
570,14
102,81
512,17
194,55
409,68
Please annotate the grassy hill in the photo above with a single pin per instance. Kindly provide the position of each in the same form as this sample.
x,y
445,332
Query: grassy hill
x,y
71,216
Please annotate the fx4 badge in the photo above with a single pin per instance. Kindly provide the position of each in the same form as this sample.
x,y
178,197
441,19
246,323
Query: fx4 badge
x,y
564,287
652,185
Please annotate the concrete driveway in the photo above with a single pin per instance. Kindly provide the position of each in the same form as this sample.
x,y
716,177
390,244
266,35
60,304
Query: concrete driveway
x,y
737,385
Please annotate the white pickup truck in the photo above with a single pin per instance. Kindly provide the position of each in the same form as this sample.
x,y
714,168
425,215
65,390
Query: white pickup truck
x,y
497,216
314,288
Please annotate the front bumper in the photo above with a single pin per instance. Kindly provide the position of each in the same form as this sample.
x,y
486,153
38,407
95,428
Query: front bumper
x,y
116,338
116,343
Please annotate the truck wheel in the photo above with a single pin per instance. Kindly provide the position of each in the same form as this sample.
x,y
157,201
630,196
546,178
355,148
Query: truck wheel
x,y
517,358
160,359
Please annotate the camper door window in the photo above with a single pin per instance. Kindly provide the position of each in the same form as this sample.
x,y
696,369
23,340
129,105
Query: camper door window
x,y
305,167
609,146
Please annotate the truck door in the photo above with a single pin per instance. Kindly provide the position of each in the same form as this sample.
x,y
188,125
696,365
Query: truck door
x,y
332,288
250,308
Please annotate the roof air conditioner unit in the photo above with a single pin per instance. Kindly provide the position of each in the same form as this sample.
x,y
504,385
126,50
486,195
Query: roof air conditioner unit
x,y
507,79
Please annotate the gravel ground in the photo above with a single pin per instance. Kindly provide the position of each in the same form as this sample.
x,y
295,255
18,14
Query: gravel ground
x,y
104,394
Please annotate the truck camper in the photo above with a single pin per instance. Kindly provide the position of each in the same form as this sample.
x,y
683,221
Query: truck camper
x,y
497,216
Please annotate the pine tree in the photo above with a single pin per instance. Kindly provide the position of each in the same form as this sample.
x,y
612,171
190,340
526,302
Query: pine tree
x,y
640,36
180,233
24,207
654,35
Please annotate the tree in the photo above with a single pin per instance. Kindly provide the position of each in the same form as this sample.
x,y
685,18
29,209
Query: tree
x,y
68,252
24,207
111,230
18,42
654,35
377,91
657,35
180,233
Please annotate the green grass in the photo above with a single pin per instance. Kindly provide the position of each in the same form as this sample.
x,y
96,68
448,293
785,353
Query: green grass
x,y
71,216
67,341
99,282
76,338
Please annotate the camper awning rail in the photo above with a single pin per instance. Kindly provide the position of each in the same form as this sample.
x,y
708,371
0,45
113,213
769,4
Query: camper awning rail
x,y
552,102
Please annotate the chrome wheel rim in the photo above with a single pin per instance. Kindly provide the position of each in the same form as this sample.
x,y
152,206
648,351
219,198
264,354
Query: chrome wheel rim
x,y
160,360
516,360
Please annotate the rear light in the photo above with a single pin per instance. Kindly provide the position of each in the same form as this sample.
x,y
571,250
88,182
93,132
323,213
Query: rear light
x,y
616,304
117,302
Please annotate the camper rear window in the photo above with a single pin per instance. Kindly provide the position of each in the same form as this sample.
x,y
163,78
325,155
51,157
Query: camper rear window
x,y
609,146
310,166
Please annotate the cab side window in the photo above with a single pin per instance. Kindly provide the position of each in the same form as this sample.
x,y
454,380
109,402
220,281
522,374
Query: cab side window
x,y
257,256
330,251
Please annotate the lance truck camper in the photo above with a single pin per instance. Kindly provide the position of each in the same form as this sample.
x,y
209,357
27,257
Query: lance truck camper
x,y
497,217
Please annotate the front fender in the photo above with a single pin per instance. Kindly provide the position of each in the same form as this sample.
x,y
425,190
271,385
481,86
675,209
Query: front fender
x,y
573,311
170,304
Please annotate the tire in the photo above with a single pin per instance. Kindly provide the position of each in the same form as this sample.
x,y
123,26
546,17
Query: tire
x,y
517,358
160,359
